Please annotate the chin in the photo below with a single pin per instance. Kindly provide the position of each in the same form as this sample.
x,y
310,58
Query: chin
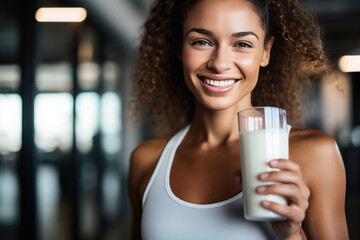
x,y
217,105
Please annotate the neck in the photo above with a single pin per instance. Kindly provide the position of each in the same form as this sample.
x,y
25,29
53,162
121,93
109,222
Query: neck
x,y
215,127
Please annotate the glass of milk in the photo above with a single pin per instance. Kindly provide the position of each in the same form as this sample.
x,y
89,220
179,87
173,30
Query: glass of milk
x,y
263,136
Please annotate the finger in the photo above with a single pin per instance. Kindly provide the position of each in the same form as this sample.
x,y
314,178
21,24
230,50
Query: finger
x,y
292,212
289,191
284,164
287,176
281,176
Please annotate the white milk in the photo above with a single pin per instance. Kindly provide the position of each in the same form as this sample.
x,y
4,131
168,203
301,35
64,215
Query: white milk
x,y
257,148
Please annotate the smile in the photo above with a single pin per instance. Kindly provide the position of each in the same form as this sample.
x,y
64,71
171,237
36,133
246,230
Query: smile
x,y
217,83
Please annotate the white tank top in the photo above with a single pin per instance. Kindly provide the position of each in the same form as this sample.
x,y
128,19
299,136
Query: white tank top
x,y
167,217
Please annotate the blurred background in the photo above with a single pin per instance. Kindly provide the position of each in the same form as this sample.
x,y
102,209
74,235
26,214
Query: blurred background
x,y
66,131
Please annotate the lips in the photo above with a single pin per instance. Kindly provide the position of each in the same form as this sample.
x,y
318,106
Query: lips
x,y
216,84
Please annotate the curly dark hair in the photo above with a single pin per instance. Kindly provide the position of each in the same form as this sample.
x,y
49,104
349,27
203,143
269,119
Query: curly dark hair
x,y
296,56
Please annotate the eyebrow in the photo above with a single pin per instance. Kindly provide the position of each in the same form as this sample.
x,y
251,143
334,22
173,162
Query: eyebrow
x,y
242,34
209,33
200,30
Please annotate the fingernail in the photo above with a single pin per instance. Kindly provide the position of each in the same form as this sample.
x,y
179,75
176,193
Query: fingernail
x,y
264,175
261,189
274,162
266,203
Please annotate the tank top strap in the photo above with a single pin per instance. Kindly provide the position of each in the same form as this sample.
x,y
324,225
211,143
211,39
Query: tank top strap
x,y
169,150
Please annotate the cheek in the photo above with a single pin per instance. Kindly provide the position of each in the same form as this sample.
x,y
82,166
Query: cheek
x,y
189,66
188,70
249,65
192,59
249,61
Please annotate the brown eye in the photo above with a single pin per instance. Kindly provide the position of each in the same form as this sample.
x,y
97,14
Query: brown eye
x,y
201,43
243,45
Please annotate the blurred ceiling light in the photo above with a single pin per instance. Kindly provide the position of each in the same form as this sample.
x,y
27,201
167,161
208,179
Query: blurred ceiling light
x,y
53,14
350,63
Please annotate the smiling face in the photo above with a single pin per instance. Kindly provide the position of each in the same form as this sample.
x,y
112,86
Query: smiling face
x,y
223,49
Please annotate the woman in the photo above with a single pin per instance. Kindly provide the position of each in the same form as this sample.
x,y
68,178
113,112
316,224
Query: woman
x,y
200,63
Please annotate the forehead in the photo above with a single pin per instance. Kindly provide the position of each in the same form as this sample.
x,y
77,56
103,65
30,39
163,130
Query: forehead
x,y
232,15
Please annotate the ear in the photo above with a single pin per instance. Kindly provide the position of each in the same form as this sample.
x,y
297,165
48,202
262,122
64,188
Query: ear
x,y
267,50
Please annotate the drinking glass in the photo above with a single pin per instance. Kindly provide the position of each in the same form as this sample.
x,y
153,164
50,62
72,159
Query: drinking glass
x,y
263,136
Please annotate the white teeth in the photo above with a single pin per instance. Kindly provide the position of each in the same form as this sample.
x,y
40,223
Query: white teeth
x,y
215,83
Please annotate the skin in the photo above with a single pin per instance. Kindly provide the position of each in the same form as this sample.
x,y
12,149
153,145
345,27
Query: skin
x,y
224,39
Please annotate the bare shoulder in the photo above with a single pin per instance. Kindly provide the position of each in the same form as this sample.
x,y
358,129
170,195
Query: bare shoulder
x,y
143,161
148,152
312,140
314,151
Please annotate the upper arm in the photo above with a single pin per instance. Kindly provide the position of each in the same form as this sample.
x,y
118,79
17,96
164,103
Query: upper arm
x,y
324,173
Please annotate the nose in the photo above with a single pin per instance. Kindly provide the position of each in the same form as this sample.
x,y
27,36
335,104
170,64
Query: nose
x,y
220,60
